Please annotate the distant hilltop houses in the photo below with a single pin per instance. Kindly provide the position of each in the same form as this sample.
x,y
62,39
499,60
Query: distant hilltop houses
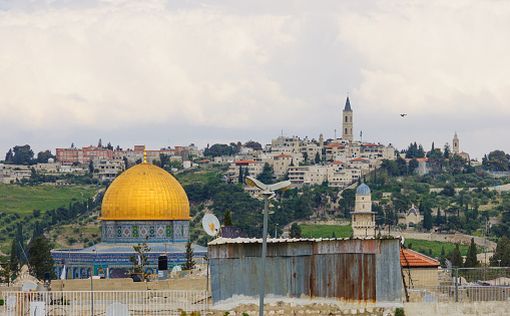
x,y
103,162
424,160
339,162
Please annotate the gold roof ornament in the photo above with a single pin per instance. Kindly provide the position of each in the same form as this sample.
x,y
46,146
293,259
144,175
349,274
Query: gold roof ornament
x,y
145,192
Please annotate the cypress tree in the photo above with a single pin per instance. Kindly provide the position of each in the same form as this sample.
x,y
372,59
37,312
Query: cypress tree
x,y
241,177
40,260
456,257
427,219
190,263
14,261
471,260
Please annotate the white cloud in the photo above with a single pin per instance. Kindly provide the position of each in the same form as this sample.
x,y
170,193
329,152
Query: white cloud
x,y
101,67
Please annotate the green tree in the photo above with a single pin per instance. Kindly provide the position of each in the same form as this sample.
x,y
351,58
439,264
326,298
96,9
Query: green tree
x,y
253,145
497,160
501,256
14,263
140,259
446,151
20,155
439,219
164,160
190,263
442,257
295,231
402,166
267,174
227,219
241,176
427,219
40,260
471,260
413,165
43,156
347,202
456,257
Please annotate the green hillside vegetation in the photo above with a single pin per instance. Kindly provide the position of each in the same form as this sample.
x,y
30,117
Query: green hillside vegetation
x,y
204,174
325,231
24,199
46,206
85,233
433,248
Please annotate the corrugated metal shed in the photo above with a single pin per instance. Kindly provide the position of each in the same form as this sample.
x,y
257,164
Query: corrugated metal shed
x,y
350,269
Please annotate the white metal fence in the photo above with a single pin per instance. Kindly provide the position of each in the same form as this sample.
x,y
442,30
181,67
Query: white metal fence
x,y
107,303
458,284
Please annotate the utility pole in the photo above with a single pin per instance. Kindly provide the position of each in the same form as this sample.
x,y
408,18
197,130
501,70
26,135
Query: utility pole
x,y
268,192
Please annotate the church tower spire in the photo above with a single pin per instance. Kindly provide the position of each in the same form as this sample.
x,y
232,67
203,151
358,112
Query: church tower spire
x,y
456,144
347,121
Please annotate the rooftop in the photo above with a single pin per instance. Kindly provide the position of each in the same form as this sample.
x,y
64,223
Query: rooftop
x,y
223,241
412,259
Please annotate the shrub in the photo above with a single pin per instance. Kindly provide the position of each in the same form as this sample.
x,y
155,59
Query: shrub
x,y
400,312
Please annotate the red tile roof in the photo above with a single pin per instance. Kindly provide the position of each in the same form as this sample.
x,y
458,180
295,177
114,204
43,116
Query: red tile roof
x,y
333,145
412,259
244,162
283,156
360,159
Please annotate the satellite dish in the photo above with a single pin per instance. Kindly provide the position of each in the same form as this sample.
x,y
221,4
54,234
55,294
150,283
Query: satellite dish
x,y
211,224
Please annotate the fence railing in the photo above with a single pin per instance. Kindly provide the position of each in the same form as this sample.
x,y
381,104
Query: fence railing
x,y
458,284
108,303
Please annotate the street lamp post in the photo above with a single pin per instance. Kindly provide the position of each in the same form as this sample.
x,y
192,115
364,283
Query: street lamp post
x,y
92,283
268,191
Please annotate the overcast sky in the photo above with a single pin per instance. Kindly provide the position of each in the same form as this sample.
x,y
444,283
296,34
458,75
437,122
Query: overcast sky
x,y
178,72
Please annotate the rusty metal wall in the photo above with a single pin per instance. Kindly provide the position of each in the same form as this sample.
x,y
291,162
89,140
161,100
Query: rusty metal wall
x,y
342,269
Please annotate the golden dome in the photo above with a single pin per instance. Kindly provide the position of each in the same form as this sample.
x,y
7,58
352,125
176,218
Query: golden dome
x,y
145,192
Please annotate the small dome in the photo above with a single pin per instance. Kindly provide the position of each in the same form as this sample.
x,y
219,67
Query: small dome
x,y
145,192
363,189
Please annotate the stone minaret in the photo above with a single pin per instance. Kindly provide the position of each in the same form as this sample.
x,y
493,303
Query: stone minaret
x,y
456,145
363,219
347,121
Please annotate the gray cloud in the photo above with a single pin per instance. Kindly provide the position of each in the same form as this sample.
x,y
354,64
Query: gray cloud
x,y
163,73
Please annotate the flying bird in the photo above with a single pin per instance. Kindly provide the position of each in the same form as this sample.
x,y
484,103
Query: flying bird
x,y
403,114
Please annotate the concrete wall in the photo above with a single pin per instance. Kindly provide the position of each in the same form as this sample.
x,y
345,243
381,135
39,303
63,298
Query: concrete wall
x,y
365,270
198,283
457,309
427,278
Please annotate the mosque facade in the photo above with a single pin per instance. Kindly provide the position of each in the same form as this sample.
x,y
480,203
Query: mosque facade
x,y
144,204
